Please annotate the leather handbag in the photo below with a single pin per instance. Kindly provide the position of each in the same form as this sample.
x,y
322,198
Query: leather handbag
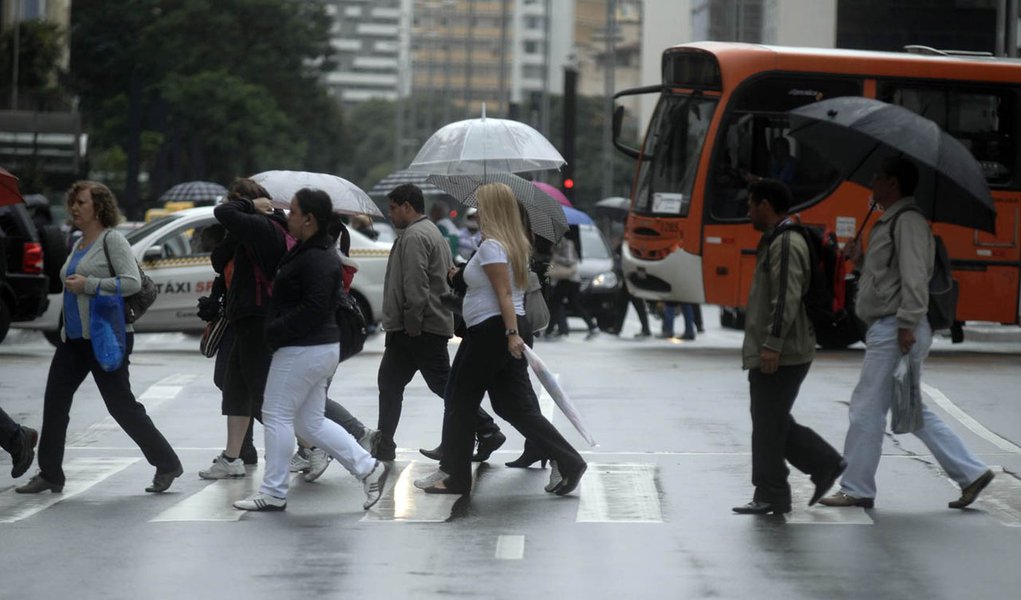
x,y
212,335
536,311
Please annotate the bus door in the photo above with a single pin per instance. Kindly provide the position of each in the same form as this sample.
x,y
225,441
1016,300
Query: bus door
x,y
985,118
752,142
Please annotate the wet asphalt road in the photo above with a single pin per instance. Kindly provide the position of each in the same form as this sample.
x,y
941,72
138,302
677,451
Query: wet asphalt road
x,y
651,520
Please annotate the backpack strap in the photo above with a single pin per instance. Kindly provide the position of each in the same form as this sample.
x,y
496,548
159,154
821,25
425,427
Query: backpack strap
x,y
893,231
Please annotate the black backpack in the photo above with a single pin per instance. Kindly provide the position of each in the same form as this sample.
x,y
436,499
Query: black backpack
x,y
943,288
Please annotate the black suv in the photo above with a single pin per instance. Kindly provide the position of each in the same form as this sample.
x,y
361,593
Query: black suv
x,y
23,281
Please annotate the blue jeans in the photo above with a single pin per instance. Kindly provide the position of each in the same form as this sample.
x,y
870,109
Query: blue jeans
x,y
870,403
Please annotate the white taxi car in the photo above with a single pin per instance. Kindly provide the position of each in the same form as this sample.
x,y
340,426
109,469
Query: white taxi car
x,y
171,251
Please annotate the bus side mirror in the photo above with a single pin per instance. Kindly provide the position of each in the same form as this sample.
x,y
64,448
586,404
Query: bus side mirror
x,y
618,119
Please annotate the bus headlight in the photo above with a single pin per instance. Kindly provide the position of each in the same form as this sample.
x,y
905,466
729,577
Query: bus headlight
x,y
607,280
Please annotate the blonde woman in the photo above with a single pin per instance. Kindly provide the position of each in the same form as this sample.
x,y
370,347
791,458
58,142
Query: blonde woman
x,y
491,356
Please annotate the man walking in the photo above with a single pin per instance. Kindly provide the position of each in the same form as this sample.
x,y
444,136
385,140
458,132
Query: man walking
x,y
779,345
417,325
893,298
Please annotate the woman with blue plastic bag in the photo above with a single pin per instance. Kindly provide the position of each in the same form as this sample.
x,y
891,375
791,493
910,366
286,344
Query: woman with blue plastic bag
x,y
87,275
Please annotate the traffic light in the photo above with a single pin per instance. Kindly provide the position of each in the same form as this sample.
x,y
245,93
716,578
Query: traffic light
x,y
568,183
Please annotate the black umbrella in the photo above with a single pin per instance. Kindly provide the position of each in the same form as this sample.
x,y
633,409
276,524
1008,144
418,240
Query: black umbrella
x,y
545,215
856,134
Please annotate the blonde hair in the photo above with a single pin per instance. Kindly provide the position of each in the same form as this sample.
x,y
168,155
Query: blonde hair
x,y
500,220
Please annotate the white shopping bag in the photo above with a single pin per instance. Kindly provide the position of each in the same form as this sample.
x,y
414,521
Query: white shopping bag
x,y
906,409
549,381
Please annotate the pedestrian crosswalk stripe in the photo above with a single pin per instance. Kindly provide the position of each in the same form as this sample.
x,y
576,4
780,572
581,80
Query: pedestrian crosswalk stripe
x,y
404,502
510,547
802,489
215,502
619,493
1002,499
81,474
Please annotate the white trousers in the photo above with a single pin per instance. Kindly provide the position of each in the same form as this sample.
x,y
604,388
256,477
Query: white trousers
x,y
871,402
294,402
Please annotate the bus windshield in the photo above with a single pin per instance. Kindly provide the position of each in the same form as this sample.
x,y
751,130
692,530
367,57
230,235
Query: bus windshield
x,y
676,136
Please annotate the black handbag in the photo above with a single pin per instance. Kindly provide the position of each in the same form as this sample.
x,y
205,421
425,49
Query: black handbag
x,y
136,304
352,325
212,335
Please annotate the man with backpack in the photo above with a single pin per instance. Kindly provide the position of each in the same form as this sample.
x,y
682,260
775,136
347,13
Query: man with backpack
x,y
893,300
779,345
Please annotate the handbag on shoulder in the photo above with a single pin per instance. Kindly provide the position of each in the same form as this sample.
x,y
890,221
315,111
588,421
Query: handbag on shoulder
x,y
136,304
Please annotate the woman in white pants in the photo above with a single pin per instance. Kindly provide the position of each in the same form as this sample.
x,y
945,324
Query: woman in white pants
x,y
302,331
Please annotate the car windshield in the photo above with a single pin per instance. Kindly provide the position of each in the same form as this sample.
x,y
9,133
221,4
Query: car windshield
x,y
593,244
672,150
151,226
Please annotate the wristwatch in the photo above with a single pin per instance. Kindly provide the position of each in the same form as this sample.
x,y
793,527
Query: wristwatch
x,y
510,332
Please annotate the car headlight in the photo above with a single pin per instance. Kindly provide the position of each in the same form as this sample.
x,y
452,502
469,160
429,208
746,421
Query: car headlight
x,y
607,280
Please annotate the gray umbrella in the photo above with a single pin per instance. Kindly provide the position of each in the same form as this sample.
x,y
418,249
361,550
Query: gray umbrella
x,y
545,215
199,192
856,134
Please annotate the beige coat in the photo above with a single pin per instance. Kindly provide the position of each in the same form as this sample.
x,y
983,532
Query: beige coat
x,y
416,277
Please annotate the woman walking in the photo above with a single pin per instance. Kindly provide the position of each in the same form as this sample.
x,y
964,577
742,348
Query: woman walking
x,y
490,358
100,259
301,331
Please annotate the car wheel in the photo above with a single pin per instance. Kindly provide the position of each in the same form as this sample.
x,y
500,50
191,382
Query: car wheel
x,y
54,254
5,319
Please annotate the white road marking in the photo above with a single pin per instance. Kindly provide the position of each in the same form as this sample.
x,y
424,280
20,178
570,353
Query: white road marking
x,y
216,501
81,474
155,395
802,514
977,428
404,502
619,493
510,547
1002,499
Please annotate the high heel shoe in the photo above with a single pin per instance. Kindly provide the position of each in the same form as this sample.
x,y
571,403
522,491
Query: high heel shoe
x,y
528,458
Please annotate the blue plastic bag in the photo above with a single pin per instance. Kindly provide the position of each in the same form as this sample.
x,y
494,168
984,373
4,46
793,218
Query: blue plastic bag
x,y
107,329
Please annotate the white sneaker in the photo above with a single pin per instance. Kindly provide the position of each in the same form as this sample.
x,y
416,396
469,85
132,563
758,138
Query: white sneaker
x,y
262,503
318,460
224,469
369,439
299,462
554,477
430,480
374,483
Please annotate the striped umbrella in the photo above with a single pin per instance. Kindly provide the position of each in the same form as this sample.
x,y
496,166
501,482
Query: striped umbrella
x,y
199,192
545,215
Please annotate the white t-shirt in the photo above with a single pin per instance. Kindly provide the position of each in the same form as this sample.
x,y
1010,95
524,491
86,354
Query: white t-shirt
x,y
480,302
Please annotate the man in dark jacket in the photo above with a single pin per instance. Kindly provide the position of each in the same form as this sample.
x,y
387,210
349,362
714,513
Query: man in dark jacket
x,y
259,232
417,324
779,345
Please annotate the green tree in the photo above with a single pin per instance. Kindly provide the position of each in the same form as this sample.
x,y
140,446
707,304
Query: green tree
x,y
39,53
230,87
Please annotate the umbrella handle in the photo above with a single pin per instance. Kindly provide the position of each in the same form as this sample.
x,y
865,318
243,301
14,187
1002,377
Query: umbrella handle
x,y
868,215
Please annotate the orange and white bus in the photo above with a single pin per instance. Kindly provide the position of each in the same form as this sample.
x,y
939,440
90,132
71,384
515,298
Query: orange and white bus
x,y
722,117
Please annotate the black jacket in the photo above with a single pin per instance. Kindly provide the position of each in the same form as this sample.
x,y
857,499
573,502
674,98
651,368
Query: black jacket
x,y
302,311
258,240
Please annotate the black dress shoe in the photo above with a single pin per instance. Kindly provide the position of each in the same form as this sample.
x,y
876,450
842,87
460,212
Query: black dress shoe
x,y
757,507
162,480
487,446
972,490
826,482
249,456
26,453
435,454
38,484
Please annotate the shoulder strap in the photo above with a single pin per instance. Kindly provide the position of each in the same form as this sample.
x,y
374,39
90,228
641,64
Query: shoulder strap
x,y
893,231
106,251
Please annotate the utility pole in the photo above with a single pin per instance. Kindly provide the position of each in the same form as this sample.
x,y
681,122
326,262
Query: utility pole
x,y
1006,28
15,51
608,85
570,129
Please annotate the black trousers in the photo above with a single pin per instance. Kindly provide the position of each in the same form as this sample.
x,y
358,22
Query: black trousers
x,y
777,438
404,356
10,434
483,364
567,291
72,362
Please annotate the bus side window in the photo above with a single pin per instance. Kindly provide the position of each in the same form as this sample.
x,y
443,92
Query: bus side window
x,y
983,119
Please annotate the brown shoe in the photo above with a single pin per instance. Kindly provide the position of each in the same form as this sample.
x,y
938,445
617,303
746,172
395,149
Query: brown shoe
x,y
38,484
970,493
162,480
843,500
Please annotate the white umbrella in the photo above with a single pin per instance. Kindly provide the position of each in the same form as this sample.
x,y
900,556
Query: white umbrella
x,y
549,381
347,197
477,146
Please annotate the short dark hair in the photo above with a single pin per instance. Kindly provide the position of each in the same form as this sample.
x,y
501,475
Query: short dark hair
x,y
408,193
318,204
904,171
773,191
243,187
